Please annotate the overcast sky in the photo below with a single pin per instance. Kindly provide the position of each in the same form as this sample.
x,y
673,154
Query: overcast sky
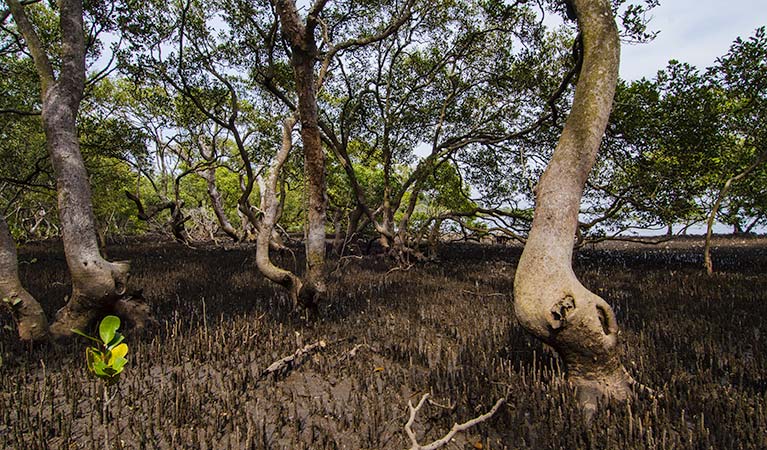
x,y
692,31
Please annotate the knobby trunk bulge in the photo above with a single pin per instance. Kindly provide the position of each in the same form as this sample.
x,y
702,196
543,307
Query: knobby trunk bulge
x,y
97,284
29,316
549,301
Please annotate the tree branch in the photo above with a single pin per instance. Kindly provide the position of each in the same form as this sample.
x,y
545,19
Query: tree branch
x,y
457,428
40,58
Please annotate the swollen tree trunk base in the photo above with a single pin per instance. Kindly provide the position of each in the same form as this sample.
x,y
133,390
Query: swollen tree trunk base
x,y
73,317
30,319
583,330
592,390
310,297
549,301
95,291
29,316
136,310
132,308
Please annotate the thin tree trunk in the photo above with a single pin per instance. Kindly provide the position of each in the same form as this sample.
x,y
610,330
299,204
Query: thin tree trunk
x,y
338,238
96,283
708,263
269,206
29,316
215,200
549,301
209,175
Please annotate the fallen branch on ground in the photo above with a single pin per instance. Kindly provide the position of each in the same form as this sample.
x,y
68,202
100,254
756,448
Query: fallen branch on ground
x,y
449,436
480,294
285,364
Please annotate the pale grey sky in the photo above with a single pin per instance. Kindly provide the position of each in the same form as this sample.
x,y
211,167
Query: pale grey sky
x,y
692,31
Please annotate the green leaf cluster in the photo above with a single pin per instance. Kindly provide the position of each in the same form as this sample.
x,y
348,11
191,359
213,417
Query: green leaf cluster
x,y
107,360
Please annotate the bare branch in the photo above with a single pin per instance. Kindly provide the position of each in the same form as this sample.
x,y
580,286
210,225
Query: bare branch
x,y
283,365
42,62
19,112
457,428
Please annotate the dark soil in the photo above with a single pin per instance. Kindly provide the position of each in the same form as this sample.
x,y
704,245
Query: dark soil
x,y
197,380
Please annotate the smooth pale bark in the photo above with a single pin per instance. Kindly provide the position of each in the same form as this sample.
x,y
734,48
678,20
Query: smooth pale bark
x,y
270,209
96,283
215,200
303,46
209,175
549,301
29,316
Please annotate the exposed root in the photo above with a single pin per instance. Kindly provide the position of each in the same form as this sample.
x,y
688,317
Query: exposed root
x,y
135,309
457,428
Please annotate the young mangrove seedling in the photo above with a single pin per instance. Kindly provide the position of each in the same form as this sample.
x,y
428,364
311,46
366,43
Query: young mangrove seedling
x,y
106,361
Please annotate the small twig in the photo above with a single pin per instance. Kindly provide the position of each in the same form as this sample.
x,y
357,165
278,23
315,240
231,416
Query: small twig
x,y
637,386
449,406
353,352
449,436
404,269
343,260
480,294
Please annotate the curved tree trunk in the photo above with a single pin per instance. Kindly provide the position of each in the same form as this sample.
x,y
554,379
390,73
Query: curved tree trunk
x,y
270,206
215,200
209,175
96,283
28,314
549,301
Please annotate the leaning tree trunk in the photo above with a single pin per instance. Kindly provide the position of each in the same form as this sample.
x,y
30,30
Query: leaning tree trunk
x,y
209,175
27,313
218,208
96,283
707,261
549,301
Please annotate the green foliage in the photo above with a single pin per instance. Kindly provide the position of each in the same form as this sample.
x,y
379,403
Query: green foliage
x,y
674,140
107,360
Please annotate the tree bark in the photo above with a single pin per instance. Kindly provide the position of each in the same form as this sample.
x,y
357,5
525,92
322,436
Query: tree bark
x,y
549,301
29,316
209,175
269,206
215,200
96,283
304,55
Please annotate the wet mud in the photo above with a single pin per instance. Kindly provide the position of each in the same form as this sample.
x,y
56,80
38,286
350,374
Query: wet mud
x,y
384,337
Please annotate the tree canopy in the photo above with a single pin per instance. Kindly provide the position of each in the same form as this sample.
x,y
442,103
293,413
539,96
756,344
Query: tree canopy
x,y
433,118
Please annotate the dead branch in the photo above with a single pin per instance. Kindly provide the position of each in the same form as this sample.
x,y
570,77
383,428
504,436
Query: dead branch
x,y
283,365
395,269
353,352
457,428
480,294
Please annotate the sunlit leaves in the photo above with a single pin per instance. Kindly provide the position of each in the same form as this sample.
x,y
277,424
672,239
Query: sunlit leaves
x,y
107,360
